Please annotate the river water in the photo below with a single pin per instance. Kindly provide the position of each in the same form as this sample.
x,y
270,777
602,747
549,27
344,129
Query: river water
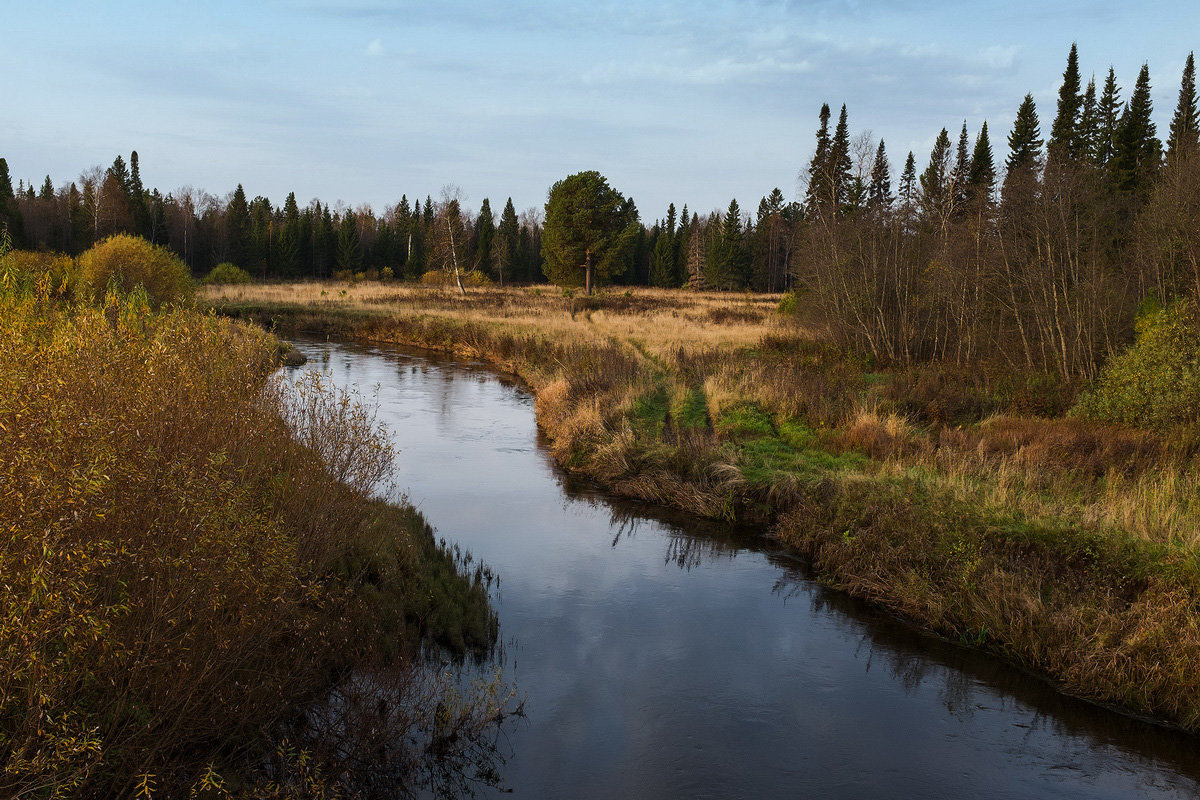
x,y
663,656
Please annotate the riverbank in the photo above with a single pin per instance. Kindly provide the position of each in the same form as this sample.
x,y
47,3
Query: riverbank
x,y
1065,546
197,577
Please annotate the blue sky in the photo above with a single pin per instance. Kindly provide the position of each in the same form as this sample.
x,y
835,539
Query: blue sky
x,y
690,102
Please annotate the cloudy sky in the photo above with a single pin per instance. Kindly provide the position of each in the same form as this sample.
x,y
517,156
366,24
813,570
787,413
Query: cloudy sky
x,y
692,102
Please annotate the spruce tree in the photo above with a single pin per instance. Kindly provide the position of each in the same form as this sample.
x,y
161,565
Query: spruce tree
x,y
1138,150
727,258
1184,138
237,228
288,250
908,180
485,232
662,259
981,181
120,173
10,212
962,166
349,248
818,168
138,206
1024,162
1089,131
935,179
1064,144
879,195
508,242
840,168
1109,115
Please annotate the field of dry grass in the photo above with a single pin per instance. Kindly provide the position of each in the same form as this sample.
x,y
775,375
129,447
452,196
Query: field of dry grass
x,y
1068,546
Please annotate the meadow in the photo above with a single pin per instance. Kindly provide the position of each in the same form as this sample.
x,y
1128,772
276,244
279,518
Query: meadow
x,y
979,504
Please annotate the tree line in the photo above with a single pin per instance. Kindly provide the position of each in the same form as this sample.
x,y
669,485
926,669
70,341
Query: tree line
x,y
269,241
1043,260
1045,266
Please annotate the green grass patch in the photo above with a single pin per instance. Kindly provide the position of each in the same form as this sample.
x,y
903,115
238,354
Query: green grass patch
x,y
690,410
744,421
649,413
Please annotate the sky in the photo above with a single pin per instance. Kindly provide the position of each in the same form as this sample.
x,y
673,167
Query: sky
x,y
361,101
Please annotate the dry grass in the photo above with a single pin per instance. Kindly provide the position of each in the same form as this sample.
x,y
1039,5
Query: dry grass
x,y
661,319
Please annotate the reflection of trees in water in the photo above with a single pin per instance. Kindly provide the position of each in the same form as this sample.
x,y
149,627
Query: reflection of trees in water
x,y
398,732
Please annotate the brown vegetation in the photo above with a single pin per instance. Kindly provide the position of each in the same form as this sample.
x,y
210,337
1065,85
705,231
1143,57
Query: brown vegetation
x,y
193,562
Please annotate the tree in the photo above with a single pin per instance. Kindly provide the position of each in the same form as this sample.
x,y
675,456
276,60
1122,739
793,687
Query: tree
x,y
448,235
588,226
10,213
1089,131
485,233
981,181
1065,144
1109,113
727,257
237,228
908,181
962,166
839,164
138,207
879,194
508,242
1024,162
349,250
1184,137
818,168
1138,150
936,197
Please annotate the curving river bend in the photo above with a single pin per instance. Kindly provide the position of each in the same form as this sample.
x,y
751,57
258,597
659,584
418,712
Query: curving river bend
x,y
663,656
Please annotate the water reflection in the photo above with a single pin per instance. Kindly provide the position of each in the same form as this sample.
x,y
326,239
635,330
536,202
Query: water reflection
x,y
665,656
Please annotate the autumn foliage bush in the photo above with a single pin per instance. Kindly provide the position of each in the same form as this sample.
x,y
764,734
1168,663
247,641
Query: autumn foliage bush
x,y
186,544
123,262
226,273
1156,382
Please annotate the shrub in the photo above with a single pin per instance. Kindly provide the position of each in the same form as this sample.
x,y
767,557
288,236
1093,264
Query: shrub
x,y
1156,382
125,262
46,274
190,552
438,277
386,274
226,273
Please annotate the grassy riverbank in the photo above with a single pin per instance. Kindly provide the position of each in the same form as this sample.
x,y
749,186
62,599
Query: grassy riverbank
x,y
964,500
199,592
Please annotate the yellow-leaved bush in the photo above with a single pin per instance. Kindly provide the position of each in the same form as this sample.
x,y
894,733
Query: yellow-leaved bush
x,y
124,262
167,541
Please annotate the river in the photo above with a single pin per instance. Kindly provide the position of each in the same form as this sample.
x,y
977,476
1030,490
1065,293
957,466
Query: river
x,y
664,656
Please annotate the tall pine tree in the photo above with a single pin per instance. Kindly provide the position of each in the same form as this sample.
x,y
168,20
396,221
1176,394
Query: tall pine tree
x,y
10,212
1184,138
879,194
981,181
1064,144
1024,162
1109,117
908,181
485,234
1138,150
